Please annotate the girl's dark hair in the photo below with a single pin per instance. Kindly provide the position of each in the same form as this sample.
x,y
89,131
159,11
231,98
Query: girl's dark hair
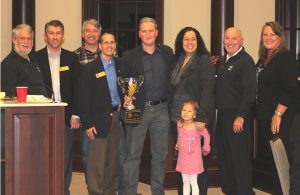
x,y
201,48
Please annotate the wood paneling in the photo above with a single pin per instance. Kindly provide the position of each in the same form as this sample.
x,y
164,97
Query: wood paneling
x,y
34,151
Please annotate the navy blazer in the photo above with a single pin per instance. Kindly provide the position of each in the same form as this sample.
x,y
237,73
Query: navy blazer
x,y
69,74
95,108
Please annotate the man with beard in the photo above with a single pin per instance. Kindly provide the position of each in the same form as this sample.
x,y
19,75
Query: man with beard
x,y
60,68
19,68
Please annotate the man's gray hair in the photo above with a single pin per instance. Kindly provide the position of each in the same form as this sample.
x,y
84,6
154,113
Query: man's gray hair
x,y
147,19
16,30
93,22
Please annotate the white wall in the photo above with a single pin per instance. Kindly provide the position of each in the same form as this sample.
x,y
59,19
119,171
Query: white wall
x,y
181,13
5,25
70,16
45,11
249,16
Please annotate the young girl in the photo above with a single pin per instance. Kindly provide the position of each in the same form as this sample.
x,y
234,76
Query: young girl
x,y
189,161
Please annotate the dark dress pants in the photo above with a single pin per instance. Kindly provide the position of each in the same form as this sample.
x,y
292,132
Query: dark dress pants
x,y
233,154
284,133
295,156
295,169
265,132
68,158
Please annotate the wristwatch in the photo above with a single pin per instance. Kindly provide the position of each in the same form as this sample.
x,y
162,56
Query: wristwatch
x,y
278,113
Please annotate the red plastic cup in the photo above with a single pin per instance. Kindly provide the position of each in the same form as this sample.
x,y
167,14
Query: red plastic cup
x,y
22,94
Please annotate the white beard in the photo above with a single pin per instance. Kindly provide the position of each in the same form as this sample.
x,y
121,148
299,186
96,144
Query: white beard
x,y
22,52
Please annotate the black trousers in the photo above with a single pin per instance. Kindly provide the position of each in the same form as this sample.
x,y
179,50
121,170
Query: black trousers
x,y
295,169
233,154
202,178
68,159
295,157
265,132
284,133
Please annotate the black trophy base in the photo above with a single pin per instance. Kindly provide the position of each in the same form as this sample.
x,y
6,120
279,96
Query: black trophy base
x,y
131,116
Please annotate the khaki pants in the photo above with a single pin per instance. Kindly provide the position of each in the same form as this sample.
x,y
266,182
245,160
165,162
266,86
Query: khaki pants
x,y
103,161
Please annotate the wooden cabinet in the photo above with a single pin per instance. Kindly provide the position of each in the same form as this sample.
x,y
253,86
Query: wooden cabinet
x,y
32,148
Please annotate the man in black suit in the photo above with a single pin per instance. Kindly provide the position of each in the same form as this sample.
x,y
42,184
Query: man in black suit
x,y
153,61
60,68
99,113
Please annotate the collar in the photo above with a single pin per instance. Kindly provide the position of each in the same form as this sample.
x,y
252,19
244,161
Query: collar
x,y
157,48
57,54
18,57
105,63
88,51
227,56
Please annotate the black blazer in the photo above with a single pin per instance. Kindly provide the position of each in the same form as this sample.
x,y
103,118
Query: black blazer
x,y
132,66
199,83
278,84
95,108
69,74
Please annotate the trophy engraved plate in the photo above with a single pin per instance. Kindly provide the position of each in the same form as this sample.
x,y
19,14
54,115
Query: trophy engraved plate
x,y
130,87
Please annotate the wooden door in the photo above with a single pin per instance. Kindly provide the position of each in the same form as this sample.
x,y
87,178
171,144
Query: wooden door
x,y
34,150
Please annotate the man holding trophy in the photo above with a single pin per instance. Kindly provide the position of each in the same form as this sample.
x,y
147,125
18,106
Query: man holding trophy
x,y
99,112
146,69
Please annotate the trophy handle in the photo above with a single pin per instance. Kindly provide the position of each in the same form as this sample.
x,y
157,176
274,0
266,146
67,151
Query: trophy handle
x,y
121,83
141,80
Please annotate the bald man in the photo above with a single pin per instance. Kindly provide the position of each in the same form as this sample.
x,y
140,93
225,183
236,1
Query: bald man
x,y
235,93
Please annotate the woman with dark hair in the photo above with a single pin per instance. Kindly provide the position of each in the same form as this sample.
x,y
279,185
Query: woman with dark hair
x,y
192,77
277,89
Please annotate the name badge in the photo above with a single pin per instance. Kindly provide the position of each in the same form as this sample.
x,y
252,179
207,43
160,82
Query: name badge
x,y
64,68
100,74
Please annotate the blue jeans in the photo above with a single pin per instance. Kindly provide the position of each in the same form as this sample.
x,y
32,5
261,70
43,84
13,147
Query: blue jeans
x,y
121,161
156,120
84,151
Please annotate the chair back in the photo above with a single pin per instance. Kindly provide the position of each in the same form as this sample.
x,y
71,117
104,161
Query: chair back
x,y
282,163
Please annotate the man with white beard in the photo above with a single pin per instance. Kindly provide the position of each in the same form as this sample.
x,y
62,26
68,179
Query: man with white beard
x,y
19,68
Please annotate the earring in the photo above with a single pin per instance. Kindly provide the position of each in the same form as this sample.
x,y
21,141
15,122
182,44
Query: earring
x,y
194,116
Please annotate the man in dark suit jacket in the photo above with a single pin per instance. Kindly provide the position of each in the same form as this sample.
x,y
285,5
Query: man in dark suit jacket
x,y
60,68
99,112
153,62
